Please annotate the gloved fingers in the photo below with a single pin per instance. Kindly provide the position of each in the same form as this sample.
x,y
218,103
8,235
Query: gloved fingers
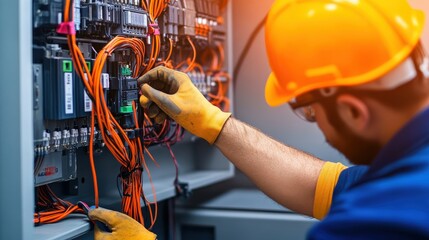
x,y
144,101
161,78
154,74
108,217
98,234
160,118
153,111
161,99
158,85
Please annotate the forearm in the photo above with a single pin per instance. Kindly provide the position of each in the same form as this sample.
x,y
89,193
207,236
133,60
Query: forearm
x,y
285,174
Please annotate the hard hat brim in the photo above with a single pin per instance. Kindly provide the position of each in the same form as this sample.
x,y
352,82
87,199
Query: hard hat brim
x,y
274,96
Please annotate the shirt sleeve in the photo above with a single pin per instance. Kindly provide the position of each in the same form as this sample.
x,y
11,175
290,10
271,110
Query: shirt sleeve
x,y
348,177
333,179
326,183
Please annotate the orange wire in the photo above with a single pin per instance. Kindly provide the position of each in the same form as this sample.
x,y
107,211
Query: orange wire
x,y
171,50
194,50
53,208
113,135
221,56
153,219
91,161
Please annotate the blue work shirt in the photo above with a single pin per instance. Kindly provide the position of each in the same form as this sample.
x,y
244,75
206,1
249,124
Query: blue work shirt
x,y
390,198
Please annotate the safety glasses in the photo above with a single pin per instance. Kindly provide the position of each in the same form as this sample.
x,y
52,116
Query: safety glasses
x,y
405,72
302,105
306,113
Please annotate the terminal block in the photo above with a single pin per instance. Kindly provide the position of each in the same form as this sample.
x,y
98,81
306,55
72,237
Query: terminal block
x,y
109,18
47,13
169,22
96,15
187,24
133,21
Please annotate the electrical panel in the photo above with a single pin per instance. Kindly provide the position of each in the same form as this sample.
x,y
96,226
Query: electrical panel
x,y
87,57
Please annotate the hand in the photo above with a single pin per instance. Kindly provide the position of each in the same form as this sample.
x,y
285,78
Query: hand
x,y
122,226
174,93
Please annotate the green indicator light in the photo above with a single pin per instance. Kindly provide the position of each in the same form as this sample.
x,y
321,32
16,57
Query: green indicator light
x,y
89,65
125,71
126,109
67,66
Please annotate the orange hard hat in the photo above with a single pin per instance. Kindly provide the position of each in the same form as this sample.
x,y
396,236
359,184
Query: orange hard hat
x,y
313,44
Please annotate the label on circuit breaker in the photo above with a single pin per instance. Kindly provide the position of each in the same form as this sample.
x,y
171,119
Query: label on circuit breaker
x,y
76,18
68,92
105,80
128,17
86,100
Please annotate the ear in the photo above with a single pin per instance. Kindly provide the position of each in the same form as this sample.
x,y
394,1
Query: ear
x,y
354,112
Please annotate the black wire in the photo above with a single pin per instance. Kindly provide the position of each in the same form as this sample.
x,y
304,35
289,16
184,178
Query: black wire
x,y
39,159
246,49
118,182
36,162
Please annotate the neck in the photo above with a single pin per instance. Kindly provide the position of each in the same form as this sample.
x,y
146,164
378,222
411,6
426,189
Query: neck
x,y
392,121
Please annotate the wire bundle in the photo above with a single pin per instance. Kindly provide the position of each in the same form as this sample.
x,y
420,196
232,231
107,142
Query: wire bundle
x,y
190,62
220,99
50,208
128,152
166,134
167,62
39,156
214,58
154,9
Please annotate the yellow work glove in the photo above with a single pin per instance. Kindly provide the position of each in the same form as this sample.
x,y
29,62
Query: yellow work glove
x,y
122,226
175,94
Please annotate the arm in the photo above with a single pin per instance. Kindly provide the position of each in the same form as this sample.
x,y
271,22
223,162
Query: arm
x,y
285,174
293,178
289,176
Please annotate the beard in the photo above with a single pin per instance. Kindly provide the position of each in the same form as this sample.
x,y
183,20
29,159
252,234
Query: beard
x,y
357,150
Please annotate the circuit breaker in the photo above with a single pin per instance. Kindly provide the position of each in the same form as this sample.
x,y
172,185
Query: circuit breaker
x,y
93,142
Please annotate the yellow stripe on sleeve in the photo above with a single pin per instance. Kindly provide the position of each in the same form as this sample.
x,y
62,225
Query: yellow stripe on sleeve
x,y
326,183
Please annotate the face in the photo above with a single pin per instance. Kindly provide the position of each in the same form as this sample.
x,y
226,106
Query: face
x,y
356,149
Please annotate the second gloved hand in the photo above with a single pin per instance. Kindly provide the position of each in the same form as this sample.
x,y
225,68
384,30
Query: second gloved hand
x,y
122,226
175,94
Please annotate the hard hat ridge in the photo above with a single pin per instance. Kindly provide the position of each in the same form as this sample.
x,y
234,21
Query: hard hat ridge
x,y
314,44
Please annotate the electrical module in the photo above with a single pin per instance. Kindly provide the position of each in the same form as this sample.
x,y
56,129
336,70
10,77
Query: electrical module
x,y
87,57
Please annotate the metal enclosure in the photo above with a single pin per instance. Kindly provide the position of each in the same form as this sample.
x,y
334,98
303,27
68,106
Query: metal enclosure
x,y
16,147
240,214
200,164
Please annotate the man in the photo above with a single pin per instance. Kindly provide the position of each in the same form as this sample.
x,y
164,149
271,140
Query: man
x,y
357,69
